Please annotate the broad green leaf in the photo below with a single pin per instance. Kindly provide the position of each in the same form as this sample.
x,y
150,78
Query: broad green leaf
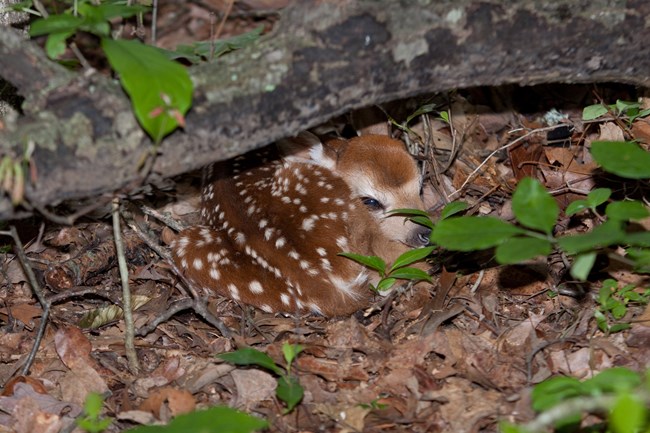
x,y
533,206
289,391
160,89
250,356
108,11
64,23
423,221
214,49
623,158
554,391
582,265
506,427
608,233
612,380
576,206
598,196
412,274
408,212
290,352
411,256
618,327
217,419
626,210
93,404
55,44
638,239
624,107
628,414
592,112
385,284
472,233
516,250
453,208
372,262
641,257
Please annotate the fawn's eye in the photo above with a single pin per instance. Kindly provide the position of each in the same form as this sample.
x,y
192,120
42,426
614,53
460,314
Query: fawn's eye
x,y
372,203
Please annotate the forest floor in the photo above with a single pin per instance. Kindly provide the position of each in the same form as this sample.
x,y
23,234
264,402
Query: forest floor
x,y
459,355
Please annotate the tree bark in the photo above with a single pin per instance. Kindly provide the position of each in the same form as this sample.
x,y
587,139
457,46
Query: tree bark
x,y
323,59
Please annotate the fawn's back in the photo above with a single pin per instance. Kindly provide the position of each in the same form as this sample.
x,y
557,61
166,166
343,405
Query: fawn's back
x,y
273,226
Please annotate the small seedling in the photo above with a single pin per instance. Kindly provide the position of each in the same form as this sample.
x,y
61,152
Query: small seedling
x,y
91,420
613,302
289,389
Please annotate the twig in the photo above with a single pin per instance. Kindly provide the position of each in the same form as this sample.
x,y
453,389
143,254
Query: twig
x,y
507,146
36,288
165,219
154,22
129,332
223,20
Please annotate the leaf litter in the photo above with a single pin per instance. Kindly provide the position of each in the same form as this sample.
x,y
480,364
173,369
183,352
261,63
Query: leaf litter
x,y
458,358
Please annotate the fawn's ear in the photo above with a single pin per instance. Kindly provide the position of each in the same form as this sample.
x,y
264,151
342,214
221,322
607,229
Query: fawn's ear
x,y
298,148
307,147
327,154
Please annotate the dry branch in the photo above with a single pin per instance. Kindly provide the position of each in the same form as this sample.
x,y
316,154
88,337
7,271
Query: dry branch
x,y
324,58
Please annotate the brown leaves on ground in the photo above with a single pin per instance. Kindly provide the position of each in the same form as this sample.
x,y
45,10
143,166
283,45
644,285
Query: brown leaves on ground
x,y
458,356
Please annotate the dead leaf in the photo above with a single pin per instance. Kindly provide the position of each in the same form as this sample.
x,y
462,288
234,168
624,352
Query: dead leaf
x,y
73,347
610,131
253,387
168,400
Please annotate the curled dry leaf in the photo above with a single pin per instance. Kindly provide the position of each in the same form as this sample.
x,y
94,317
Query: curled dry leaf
x,y
169,401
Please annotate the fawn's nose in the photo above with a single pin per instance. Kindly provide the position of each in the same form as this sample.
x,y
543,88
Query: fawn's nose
x,y
420,237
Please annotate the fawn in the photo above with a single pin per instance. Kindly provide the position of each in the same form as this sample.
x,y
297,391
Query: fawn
x,y
273,225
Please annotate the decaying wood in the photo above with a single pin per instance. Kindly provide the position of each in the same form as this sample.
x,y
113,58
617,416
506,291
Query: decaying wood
x,y
323,59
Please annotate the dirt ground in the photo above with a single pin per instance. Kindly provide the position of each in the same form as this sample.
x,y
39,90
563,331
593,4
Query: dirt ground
x,y
458,355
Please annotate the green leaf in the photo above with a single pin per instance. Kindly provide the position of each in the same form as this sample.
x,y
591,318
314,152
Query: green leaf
x,y
582,266
412,274
516,250
64,23
372,262
613,380
554,391
217,419
623,158
208,49
408,212
624,107
638,239
628,414
411,256
576,206
626,210
533,206
93,404
608,233
423,221
108,11
472,233
56,43
598,196
289,391
250,356
453,208
592,112
385,284
290,352
618,327
160,90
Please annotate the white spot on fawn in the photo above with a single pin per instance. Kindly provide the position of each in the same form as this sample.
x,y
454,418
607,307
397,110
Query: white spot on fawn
x,y
256,287
280,242
214,274
234,292
198,264
321,251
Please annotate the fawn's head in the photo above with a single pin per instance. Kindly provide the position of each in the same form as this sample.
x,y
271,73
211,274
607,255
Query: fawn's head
x,y
383,176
